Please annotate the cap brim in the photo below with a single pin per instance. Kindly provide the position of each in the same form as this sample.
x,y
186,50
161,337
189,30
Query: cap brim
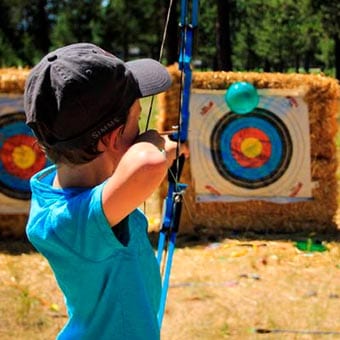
x,y
152,76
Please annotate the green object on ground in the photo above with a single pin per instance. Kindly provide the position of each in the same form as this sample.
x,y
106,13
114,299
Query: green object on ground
x,y
310,246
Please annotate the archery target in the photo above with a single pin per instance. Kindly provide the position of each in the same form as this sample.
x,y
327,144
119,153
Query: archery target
x,y
20,156
265,153
252,151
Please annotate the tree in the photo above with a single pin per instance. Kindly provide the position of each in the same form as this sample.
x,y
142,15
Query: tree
x,y
75,21
206,34
130,29
330,14
7,31
172,38
223,43
247,24
270,35
25,26
275,35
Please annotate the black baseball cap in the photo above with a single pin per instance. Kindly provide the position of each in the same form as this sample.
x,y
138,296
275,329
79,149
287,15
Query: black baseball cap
x,y
79,92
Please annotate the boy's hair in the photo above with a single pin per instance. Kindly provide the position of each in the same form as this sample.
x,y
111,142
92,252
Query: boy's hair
x,y
73,154
59,154
78,93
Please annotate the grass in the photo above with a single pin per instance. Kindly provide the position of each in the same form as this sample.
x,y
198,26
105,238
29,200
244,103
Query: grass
x,y
219,290
240,285
228,288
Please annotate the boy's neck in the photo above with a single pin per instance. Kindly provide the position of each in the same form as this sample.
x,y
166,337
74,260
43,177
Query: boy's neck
x,y
84,175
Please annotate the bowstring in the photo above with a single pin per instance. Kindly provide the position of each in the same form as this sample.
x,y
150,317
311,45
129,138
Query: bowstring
x,y
183,36
161,51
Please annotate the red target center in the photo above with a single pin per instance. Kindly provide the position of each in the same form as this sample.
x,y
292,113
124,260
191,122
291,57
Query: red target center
x,y
21,157
251,147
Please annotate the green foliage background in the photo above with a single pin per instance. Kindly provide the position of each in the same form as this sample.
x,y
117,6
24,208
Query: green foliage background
x,y
269,35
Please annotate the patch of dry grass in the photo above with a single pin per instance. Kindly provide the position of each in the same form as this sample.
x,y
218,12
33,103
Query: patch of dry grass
x,y
220,289
228,289
31,306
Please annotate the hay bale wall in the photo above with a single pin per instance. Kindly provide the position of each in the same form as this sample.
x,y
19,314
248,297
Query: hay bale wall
x,y
12,224
12,80
317,215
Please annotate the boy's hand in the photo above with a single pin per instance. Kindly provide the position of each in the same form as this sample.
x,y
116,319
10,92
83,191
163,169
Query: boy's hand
x,y
170,144
153,137
164,143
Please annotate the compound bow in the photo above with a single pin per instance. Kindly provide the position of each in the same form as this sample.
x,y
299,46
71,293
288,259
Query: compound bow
x,y
172,206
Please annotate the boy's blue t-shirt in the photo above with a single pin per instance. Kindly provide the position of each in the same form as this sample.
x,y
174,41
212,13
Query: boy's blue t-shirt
x,y
111,283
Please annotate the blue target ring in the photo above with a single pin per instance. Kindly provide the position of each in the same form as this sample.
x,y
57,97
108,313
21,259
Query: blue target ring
x,y
234,166
251,151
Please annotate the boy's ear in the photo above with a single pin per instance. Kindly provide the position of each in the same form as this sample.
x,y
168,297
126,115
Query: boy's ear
x,y
110,139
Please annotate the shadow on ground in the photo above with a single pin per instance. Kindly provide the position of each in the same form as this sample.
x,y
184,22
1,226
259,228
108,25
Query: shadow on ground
x,y
16,246
20,246
203,237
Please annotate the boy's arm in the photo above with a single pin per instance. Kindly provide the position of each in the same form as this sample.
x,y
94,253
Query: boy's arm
x,y
138,174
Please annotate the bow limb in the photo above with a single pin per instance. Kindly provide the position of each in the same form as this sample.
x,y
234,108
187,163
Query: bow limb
x,y
172,205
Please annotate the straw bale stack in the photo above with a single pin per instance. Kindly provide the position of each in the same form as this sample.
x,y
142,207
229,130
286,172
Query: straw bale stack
x,y
322,95
12,80
317,215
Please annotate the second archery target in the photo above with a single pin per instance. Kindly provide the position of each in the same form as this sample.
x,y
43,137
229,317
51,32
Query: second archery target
x,y
263,154
20,156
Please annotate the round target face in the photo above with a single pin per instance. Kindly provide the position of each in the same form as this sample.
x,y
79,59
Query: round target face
x,y
251,151
20,156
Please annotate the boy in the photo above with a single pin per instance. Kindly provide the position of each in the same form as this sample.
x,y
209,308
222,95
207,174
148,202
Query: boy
x,y
83,105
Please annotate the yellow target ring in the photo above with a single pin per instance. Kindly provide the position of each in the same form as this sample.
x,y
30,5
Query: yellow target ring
x,y
23,156
251,147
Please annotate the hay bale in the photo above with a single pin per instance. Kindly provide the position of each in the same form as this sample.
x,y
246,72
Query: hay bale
x,y
318,214
12,80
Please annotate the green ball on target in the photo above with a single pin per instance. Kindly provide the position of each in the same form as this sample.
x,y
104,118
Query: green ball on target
x,y
242,97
